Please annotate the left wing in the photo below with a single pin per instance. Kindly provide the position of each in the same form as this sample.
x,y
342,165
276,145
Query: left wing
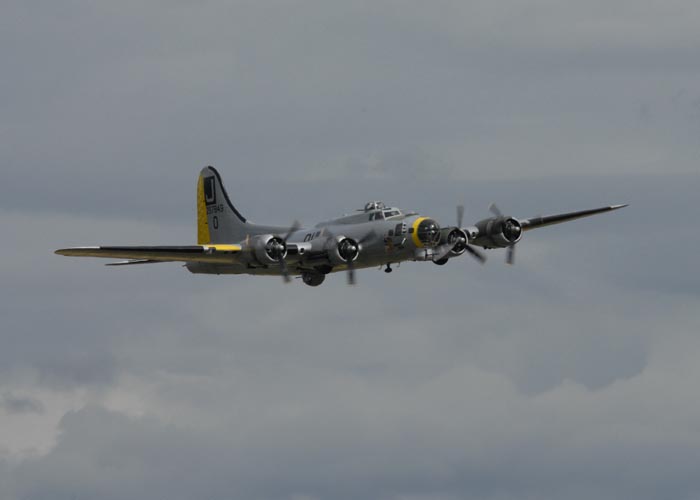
x,y
212,254
504,232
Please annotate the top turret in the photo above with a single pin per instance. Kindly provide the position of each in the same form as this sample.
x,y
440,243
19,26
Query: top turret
x,y
374,205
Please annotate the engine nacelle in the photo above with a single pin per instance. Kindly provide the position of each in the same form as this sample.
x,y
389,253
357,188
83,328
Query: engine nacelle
x,y
498,232
454,236
268,249
342,250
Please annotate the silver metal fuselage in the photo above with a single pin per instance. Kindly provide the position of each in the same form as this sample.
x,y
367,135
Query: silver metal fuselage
x,y
392,242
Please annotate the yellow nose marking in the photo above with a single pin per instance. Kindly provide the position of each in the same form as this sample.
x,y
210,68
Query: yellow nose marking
x,y
414,236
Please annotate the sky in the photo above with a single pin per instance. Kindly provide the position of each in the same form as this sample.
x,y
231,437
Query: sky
x,y
571,375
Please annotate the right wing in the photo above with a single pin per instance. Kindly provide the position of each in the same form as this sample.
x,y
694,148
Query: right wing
x,y
212,254
550,220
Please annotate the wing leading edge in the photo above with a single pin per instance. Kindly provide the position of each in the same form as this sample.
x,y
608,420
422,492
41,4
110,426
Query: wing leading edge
x,y
213,254
550,220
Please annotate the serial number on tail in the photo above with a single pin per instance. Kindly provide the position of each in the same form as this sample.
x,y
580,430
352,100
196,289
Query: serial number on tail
x,y
215,209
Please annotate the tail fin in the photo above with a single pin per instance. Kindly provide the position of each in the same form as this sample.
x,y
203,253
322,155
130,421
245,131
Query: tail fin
x,y
218,221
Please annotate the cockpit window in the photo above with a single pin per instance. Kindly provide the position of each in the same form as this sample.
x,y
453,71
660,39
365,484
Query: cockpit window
x,y
376,216
391,213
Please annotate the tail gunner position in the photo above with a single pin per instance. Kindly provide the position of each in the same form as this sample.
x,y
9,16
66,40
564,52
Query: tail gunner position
x,y
227,243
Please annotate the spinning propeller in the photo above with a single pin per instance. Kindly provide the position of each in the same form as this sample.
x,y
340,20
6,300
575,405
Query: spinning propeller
x,y
283,247
349,250
357,247
510,231
457,241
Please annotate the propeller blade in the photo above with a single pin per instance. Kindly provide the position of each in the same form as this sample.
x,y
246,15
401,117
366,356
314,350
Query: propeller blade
x,y
476,254
493,208
460,215
294,228
350,263
285,271
510,255
510,251
351,274
443,251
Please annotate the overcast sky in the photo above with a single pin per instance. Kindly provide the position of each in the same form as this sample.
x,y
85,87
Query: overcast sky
x,y
572,375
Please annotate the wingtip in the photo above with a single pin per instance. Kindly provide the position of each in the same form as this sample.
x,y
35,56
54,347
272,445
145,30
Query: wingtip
x,y
72,252
617,207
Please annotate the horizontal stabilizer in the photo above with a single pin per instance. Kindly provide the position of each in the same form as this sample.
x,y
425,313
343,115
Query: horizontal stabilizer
x,y
213,254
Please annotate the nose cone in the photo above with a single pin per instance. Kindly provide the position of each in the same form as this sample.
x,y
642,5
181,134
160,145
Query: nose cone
x,y
427,232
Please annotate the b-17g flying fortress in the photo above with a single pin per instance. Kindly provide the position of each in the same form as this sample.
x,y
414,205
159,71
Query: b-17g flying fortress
x,y
227,243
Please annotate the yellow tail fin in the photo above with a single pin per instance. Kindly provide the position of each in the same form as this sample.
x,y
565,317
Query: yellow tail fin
x,y
203,236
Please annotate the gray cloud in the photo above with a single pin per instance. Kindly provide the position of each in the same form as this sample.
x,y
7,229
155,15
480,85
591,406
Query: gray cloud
x,y
584,334
17,404
295,91
571,375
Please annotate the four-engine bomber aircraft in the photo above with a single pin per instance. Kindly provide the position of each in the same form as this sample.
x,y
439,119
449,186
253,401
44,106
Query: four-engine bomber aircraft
x,y
375,236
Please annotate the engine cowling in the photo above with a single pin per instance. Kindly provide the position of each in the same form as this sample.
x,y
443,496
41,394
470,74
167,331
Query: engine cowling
x,y
498,232
343,250
269,249
457,237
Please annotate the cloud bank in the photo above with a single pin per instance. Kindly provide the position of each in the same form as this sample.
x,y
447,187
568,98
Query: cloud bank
x,y
572,375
